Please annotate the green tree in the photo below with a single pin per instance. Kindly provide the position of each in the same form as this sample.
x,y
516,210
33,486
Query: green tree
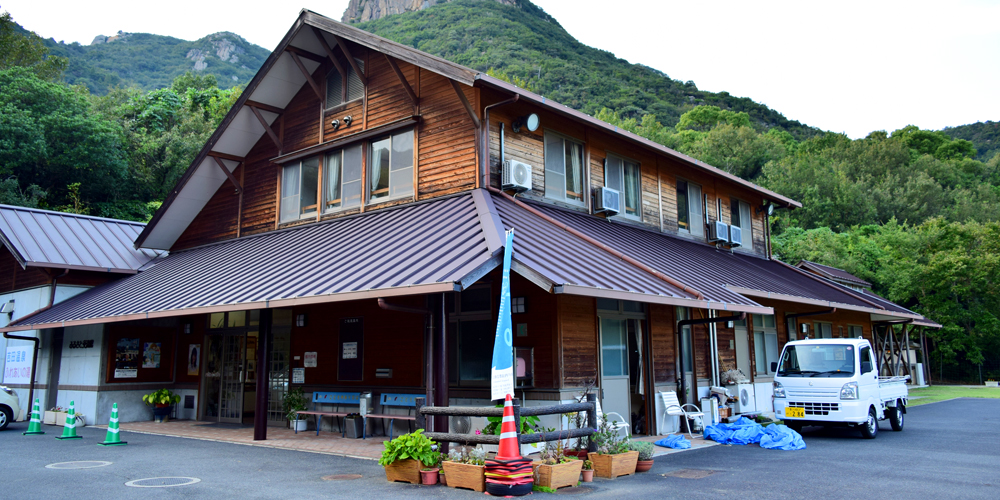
x,y
27,50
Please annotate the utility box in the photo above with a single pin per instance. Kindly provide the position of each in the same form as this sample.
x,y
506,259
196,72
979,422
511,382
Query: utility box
x,y
365,403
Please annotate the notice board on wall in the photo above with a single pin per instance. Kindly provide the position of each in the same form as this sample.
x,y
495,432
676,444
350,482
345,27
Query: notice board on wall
x,y
350,365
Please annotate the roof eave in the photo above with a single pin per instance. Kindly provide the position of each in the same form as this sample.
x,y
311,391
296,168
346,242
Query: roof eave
x,y
817,302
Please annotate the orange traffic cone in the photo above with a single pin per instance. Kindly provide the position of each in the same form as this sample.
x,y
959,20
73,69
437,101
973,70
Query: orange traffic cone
x,y
510,449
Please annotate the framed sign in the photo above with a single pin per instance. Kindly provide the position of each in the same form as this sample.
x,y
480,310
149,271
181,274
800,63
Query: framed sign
x,y
127,358
350,365
194,358
298,375
17,367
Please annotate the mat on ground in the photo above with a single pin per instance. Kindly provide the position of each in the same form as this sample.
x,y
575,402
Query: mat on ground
x,y
675,441
746,431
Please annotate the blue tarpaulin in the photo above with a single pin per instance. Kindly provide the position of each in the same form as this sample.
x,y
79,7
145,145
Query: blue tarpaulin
x,y
675,441
745,431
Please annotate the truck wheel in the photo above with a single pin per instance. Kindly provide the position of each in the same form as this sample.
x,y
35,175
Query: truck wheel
x,y
6,417
869,429
896,416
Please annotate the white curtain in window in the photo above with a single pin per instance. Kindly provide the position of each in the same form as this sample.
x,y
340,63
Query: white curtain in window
x,y
574,173
638,343
697,220
333,177
376,167
290,192
631,188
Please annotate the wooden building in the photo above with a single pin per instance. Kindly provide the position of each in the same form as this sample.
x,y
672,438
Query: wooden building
x,y
344,223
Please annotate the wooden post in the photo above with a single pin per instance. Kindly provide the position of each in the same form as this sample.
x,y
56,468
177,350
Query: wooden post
x,y
263,356
592,420
421,419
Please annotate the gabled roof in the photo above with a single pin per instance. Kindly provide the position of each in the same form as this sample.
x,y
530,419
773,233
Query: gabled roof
x,y
277,82
834,273
43,238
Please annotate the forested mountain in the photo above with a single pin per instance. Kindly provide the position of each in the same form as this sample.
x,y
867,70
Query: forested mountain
x,y
984,135
151,62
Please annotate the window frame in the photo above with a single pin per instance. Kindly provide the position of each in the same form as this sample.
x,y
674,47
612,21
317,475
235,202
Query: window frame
x,y
747,231
546,137
318,195
457,316
369,162
850,331
696,221
817,330
620,174
327,209
761,335
344,89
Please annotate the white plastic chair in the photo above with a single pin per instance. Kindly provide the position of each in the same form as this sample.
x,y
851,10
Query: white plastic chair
x,y
672,408
616,423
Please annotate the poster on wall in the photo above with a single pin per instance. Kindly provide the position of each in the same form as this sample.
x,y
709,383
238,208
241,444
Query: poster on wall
x,y
127,358
151,355
310,360
17,365
194,358
298,375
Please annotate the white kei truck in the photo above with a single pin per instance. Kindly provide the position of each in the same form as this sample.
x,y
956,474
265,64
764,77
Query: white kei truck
x,y
835,382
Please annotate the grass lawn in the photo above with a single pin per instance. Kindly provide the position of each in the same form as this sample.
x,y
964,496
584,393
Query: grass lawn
x,y
943,392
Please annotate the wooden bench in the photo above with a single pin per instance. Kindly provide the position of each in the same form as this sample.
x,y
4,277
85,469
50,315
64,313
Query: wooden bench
x,y
337,399
408,401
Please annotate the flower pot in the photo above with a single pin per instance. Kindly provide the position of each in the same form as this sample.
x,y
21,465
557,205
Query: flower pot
x,y
429,477
612,466
467,476
300,425
588,475
558,475
354,428
442,478
581,454
161,413
406,471
643,465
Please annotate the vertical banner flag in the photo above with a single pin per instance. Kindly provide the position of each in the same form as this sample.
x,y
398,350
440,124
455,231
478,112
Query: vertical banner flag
x,y
502,382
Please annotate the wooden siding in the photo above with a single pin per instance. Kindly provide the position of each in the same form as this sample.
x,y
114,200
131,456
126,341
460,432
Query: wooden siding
x,y
664,342
447,151
578,336
13,277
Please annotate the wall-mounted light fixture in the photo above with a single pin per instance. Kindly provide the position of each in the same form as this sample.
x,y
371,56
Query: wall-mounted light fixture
x,y
300,320
347,120
7,308
768,206
335,124
529,122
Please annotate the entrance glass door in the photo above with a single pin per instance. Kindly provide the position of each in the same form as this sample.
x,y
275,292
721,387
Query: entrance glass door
x,y
615,390
225,372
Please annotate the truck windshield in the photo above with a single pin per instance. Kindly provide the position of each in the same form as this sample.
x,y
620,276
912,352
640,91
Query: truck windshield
x,y
820,360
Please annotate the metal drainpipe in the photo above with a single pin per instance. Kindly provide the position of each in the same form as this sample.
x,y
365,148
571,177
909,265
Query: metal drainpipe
x,y
486,135
796,317
689,322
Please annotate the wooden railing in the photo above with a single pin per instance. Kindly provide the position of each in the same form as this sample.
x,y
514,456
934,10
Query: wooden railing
x,y
474,411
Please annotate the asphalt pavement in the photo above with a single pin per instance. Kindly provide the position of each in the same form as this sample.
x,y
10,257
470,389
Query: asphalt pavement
x,y
947,450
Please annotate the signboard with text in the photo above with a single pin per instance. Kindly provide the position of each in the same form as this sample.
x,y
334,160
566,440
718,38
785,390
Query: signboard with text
x,y
17,365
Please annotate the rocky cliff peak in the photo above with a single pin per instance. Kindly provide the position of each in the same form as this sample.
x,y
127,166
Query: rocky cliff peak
x,y
366,10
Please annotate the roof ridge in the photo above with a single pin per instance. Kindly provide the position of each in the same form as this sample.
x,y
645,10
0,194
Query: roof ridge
x,y
68,214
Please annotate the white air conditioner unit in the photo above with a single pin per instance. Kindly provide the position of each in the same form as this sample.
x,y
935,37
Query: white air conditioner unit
x,y
516,176
735,236
746,401
718,231
607,200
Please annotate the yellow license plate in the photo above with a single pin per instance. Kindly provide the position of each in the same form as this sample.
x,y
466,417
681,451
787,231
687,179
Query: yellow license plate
x,y
795,412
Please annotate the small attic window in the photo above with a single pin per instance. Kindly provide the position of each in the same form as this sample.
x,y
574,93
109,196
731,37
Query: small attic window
x,y
337,93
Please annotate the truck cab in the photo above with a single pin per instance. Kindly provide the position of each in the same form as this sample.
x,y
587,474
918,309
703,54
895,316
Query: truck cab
x,y
835,382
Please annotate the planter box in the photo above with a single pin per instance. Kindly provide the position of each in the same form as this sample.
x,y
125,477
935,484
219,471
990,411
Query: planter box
x,y
354,428
406,471
992,383
467,476
59,418
612,466
559,475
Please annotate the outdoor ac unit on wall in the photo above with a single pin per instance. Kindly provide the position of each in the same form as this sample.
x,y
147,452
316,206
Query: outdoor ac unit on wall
x,y
735,236
607,200
516,176
718,231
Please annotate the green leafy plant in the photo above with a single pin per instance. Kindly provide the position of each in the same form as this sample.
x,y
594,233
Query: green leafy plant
x,y
645,449
161,397
588,465
529,424
608,441
414,445
294,402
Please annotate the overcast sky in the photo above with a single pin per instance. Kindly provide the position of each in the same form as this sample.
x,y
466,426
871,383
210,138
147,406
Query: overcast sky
x,y
847,66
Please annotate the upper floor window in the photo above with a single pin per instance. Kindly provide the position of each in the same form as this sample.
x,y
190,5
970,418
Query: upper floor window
x,y
740,217
689,208
342,177
563,169
337,92
299,189
623,176
390,166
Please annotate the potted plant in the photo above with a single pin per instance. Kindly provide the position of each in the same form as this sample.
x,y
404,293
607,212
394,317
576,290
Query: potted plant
x,y
555,470
588,471
613,457
465,468
162,402
645,461
404,455
294,402
431,470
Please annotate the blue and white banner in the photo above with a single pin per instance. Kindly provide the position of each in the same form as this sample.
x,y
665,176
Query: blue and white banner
x,y
502,381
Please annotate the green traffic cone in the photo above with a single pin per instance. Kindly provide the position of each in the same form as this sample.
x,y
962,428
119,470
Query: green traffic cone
x,y
35,426
69,430
113,438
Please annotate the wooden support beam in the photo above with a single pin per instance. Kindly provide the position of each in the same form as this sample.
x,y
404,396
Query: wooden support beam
x,y
465,102
267,128
236,183
354,64
402,79
305,73
227,156
329,53
304,53
265,107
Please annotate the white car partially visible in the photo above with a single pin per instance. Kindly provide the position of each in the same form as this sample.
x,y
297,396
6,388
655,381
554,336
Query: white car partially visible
x,y
10,406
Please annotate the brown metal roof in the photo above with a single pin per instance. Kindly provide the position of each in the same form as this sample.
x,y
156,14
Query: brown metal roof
x,y
42,238
833,273
421,248
561,262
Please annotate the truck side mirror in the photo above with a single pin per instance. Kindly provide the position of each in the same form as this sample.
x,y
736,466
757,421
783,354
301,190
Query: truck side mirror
x,y
774,366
